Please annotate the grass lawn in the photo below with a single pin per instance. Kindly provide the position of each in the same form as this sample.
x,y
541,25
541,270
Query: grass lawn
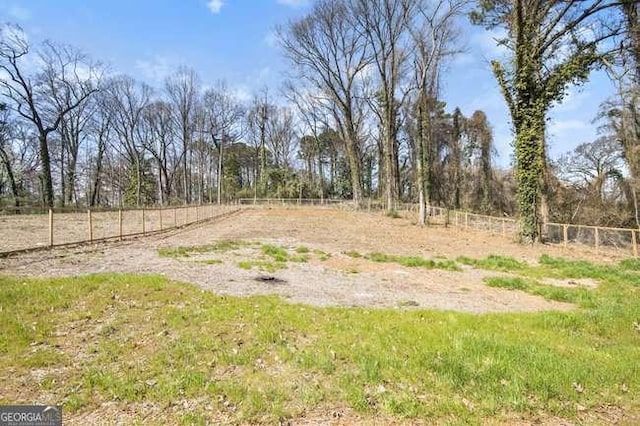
x,y
85,341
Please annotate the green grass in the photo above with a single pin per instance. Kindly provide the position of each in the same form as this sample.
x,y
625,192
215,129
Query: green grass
x,y
144,339
413,261
279,254
493,263
262,265
220,246
353,254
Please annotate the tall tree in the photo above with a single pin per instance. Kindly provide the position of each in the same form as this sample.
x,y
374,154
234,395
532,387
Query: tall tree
x,y
35,98
386,24
553,44
182,87
127,101
329,55
223,115
433,36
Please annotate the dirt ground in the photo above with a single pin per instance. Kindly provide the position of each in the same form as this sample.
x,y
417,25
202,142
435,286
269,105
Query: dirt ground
x,y
340,280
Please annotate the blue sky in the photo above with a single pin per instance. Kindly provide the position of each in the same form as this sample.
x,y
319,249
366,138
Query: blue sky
x,y
233,40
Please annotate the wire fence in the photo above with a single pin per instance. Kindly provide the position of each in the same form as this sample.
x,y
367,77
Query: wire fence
x,y
56,228
61,227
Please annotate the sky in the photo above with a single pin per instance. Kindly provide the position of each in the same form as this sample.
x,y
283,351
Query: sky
x,y
233,40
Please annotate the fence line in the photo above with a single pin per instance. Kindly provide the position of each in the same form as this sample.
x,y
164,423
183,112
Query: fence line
x,y
599,238
27,232
32,232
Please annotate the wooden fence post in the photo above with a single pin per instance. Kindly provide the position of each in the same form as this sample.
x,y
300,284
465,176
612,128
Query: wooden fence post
x,y
634,243
160,212
90,223
186,215
466,220
175,217
50,227
197,213
120,223
504,227
144,229
565,235
597,236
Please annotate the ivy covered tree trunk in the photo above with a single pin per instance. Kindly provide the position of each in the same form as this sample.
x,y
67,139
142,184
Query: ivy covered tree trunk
x,y
529,147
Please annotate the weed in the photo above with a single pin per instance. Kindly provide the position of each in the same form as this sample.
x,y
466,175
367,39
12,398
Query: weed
x,y
279,254
353,254
302,250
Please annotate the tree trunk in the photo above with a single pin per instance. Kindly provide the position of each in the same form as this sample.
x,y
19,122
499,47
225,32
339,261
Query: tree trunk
x,y
529,171
422,200
12,179
45,173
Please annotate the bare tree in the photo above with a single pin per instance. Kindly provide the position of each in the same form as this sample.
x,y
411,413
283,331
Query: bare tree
x,y
160,142
30,96
183,88
223,115
433,36
329,55
386,24
127,101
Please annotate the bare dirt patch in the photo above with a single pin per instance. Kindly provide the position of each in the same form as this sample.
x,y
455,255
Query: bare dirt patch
x,y
331,279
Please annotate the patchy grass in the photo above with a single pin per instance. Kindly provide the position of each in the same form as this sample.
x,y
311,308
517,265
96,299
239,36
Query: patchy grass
x,y
413,261
279,254
494,263
262,265
322,255
220,246
144,339
302,250
353,254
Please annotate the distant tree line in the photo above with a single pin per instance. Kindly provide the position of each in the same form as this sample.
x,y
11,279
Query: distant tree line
x,y
364,118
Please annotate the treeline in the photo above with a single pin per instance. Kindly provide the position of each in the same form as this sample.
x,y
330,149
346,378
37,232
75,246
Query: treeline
x,y
364,117
71,135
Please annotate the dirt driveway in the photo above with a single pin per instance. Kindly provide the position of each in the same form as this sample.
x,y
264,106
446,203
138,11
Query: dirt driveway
x,y
330,277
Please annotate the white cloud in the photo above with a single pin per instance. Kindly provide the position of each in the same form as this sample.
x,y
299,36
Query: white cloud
x,y
157,68
215,6
19,13
293,3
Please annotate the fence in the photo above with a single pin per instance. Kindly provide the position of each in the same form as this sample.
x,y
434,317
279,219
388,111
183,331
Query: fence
x,y
25,232
318,202
592,237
